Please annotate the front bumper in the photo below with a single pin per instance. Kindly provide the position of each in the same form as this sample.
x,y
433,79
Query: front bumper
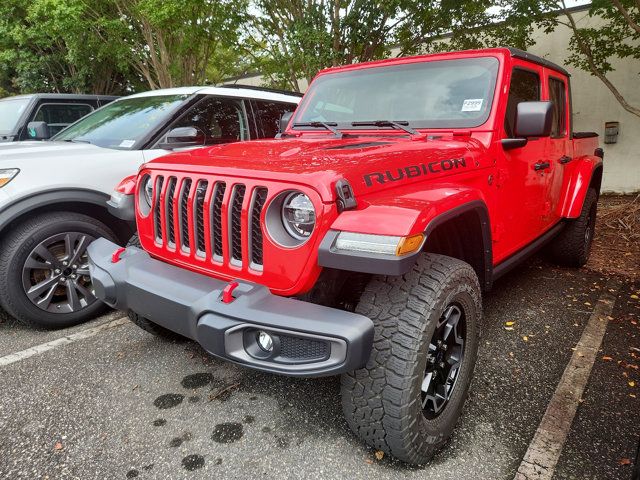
x,y
309,340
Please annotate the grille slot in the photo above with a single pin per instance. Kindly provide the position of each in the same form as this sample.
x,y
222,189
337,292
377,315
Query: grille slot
x,y
157,217
235,224
184,217
255,235
208,219
216,220
198,213
169,205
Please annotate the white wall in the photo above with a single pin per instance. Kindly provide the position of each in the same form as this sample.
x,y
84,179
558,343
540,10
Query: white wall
x,y
593,105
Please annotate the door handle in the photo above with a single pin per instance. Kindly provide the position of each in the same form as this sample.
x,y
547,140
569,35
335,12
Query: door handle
x,y
564,159
541,166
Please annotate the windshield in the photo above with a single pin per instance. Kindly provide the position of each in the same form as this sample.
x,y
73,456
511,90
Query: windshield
x,y
123,123
430,94
10,112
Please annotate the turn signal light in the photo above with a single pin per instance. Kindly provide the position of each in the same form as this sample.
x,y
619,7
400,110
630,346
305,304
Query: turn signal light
x,y
409,244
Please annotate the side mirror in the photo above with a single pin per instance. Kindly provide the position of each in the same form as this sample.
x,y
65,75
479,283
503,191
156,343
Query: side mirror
x,y
533,119
38,131
284,121
182,137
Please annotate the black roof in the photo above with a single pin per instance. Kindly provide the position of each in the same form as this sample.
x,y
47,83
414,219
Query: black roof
x,y
261,89
530,57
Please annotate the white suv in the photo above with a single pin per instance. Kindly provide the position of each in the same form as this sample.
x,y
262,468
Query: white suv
x,y
53,194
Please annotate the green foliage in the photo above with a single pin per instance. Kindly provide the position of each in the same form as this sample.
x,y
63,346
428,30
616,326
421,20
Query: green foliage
x,y
61,46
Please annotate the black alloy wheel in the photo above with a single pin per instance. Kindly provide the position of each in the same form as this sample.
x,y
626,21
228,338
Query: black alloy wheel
x,y
445,356
55,276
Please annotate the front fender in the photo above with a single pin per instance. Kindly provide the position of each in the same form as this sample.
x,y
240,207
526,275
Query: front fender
x,y
419,211
415,211
578,178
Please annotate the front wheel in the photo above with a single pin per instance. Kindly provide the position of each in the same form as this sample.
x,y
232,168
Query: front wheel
x,y
44,271
408,398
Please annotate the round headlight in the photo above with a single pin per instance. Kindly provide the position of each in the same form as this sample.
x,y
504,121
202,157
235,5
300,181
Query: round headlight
x,y
147,189
298,215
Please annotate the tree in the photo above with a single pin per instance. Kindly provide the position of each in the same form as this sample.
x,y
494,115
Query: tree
x,y
61,46
592,48
182,42
289,40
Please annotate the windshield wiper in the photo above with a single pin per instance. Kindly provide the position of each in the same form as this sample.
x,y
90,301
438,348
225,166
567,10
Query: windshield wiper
x,y
75,140
399,125
328,126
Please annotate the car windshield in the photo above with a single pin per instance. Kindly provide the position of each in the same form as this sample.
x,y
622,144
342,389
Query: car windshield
x,y
429,94
124,123
10,111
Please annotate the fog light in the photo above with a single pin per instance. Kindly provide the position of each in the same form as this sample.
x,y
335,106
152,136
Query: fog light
x,y
265,341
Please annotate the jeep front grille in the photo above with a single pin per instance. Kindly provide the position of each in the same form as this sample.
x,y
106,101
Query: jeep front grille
x,y
210,219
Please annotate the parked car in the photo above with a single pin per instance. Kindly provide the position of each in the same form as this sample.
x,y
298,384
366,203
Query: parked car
x,y
361,241
49,113
52,194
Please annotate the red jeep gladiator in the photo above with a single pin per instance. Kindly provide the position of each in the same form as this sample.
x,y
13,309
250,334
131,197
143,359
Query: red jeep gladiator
x,y
360,241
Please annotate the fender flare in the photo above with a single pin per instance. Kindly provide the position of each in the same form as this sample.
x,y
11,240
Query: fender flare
x,y
379,264
579,182
42,199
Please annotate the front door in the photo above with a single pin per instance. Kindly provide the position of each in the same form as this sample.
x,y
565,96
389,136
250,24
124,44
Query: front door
x,y
522,175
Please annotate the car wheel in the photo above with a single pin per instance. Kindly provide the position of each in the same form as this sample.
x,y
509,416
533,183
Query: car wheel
x,y
573,245
408,398
44,273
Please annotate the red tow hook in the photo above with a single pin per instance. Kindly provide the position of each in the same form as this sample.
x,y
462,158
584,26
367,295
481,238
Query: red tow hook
x,y
227,293
115,258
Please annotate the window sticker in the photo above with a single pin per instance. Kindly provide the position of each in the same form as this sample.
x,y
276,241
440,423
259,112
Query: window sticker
x,y
127,143
472,105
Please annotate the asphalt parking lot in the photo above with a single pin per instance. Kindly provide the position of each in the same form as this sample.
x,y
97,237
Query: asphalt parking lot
x,y
123,404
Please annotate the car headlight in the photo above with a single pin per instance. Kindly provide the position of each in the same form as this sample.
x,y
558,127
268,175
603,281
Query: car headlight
x,y
7,174
298,215
378,244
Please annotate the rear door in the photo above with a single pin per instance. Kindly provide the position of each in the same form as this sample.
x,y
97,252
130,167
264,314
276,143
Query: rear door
x,y
559,148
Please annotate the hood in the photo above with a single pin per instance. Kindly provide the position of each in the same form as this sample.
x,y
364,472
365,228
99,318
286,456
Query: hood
x,y
369,163
30,150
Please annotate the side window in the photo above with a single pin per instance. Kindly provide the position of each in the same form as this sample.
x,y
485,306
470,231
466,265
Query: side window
x,y
525,87
61,115
559,99
221,120
269,114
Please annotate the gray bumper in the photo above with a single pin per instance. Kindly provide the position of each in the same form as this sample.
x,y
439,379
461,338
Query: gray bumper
x,y
309,340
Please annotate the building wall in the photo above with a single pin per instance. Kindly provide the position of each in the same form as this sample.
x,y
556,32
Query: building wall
x,y
593,104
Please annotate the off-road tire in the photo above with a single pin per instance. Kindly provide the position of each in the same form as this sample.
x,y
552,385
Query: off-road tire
x,y
382,402
15,248
573,245
142,322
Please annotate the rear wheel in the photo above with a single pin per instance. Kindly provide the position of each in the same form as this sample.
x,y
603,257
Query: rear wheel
x,y
573,245
408,398
44,272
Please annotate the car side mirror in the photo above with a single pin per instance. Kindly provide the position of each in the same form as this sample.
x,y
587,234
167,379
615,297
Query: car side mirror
x,y
38,131
533,120
183,137
284,121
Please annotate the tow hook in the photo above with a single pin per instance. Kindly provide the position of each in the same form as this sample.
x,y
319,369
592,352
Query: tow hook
x,y
115,258
227,293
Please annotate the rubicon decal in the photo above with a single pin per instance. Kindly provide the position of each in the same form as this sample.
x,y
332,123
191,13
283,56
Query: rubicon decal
x,y
414,171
